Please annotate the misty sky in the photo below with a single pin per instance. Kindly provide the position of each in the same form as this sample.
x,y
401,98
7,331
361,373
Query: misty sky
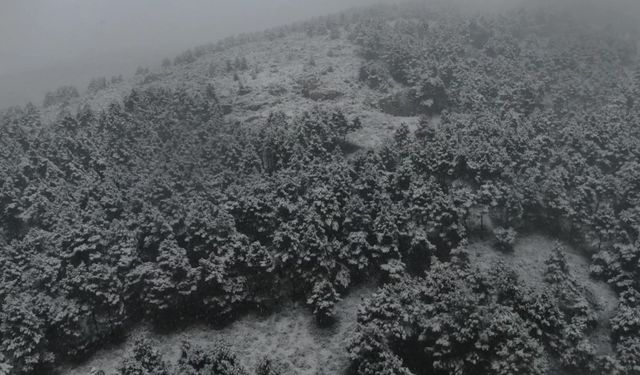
x,y
48,43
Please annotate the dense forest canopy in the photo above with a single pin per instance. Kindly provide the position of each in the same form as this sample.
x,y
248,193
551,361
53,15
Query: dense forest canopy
x,y
157,207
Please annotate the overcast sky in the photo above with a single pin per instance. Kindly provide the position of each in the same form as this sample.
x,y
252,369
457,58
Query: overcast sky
x,y
48,43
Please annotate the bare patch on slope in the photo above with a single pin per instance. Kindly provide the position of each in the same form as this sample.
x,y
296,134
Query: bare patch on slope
x,y
290,335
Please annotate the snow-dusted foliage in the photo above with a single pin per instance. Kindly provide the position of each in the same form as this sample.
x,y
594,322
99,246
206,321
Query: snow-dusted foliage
x,y
220,184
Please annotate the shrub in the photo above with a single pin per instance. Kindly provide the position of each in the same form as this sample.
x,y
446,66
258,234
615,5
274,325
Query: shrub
x,y
505,238
557,266
185,58
145,360
5,367
431,95
375,75
270,366
61,95
97,84
323,299
22,335
220,361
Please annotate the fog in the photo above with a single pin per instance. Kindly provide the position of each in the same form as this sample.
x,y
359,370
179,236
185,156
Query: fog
x,y
48,43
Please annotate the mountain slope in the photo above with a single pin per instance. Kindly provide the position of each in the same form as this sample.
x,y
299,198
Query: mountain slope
x,y
380,146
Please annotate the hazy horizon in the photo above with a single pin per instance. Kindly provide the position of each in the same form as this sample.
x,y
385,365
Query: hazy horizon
x,y
45,44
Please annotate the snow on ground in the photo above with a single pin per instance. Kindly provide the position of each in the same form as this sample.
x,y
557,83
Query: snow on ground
x,y
273,82
528,260
290,334
277,71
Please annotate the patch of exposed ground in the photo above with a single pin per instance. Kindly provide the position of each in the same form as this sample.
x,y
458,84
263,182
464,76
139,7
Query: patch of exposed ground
x,y
278,72
528,260
290,335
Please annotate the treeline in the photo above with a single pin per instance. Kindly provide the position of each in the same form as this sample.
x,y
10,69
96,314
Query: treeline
x,y
332,26
148,209
500,64
65,95
457,320
157,209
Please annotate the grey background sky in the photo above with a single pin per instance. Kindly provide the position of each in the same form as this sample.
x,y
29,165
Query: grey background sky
x,y
48,43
